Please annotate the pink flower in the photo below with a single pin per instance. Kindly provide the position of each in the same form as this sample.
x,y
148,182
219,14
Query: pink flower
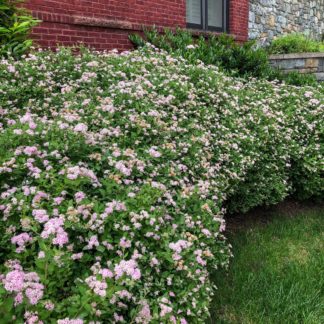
x,y
154,262
19,299
35,293
49,305
99,287
154,153
206,232
41,254
106,273
179,246
40,215
61,238
77,256
92,242
11,69
55,227
128,268
118,318
19,282
144,316
33,289
82,128
74,172
79,196
125,243
70,321
21,240
31,150
58,200
120,166
32,318
14,281
165,310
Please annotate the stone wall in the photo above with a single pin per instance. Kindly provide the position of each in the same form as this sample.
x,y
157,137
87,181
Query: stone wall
x,y
301,62
270,18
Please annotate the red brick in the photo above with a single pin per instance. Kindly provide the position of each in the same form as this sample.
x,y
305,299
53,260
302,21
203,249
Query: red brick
x,y
60,26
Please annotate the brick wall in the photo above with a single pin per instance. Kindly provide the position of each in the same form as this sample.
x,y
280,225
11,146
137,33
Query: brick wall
x,y
106,24
239,18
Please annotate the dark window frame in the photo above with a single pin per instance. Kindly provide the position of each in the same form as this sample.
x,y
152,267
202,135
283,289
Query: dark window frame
x,y
204,18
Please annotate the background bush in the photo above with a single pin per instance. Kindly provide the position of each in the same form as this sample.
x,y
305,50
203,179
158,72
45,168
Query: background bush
x,y
242,60
223,51
294,43
15,25
115,172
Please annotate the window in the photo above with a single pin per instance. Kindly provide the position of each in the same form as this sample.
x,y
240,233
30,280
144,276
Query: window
x,y
207,14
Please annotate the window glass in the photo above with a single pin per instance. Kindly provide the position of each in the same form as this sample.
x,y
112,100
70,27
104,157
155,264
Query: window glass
x,y
194,12
207,14
215,10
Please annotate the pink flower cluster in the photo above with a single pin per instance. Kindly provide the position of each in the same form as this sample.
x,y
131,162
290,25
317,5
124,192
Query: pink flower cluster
x,y
154,153
178,247
70,321
97,282
75,172
98,286
20,282
55,227
21,240
113,206
32,318
165,306
40,215
128,268
144,316
121,166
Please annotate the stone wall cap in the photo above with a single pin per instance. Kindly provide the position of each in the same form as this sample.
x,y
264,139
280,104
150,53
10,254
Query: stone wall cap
x,y
296,56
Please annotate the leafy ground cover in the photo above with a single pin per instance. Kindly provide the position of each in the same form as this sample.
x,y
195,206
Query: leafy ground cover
x,y
295,43
115,172
277,274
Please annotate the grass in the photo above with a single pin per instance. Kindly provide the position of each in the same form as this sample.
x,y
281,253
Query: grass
x,y
322,47
277,274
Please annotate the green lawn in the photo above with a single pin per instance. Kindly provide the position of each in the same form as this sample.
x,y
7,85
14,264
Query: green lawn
x,y
277,274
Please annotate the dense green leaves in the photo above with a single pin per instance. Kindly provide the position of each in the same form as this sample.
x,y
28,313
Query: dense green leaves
x,y
243,60
15,25
295,43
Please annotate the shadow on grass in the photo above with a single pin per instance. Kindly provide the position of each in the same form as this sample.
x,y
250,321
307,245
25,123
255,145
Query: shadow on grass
x,y
277,274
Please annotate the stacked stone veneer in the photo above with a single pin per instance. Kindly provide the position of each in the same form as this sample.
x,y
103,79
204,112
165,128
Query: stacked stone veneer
x,y
270,18
303,63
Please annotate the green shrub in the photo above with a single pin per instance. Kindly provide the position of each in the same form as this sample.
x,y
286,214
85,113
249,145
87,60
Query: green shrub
x,y
15,25
292,78
115,171
243,60
294,43
223,51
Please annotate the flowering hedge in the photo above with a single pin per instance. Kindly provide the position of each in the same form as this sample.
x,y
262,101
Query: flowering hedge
x,y
114,174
